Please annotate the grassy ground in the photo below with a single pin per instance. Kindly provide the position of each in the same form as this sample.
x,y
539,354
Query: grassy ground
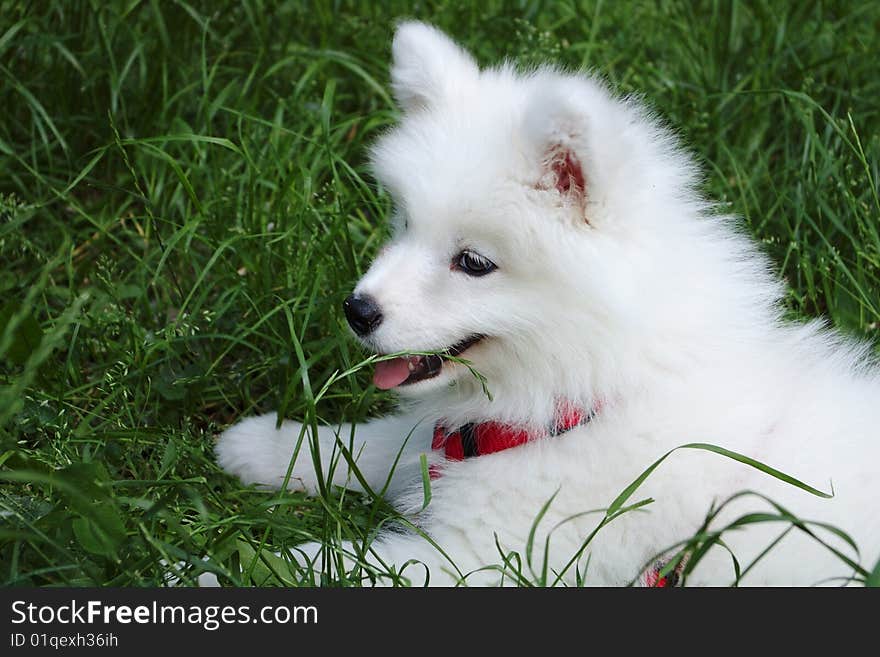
x,y
184,205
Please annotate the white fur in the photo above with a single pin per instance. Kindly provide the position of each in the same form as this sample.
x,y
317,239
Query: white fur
x,y
637,293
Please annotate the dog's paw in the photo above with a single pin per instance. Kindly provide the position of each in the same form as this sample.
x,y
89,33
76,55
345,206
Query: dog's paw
x,y
257,452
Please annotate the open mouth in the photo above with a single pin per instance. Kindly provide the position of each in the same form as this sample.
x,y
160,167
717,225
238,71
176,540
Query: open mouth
x,y
412,369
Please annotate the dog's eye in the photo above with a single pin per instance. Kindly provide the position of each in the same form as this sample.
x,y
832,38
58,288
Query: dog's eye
x,y
473,264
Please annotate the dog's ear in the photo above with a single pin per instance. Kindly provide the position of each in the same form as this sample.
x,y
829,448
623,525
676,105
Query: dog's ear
x,y
427,65
557,132
563,171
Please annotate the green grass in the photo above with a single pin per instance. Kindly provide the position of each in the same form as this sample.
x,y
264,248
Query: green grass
x,y
184,205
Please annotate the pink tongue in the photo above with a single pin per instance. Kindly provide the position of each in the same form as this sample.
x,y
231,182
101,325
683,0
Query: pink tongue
x,y
391,373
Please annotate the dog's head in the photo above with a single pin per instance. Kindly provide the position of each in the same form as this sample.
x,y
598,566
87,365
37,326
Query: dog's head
x,y
532,213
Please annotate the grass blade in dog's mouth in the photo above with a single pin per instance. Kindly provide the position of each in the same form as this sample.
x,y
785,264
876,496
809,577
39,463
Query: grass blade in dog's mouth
x,y
412,369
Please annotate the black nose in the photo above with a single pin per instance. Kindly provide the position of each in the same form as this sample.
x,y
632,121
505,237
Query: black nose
x,y
363,313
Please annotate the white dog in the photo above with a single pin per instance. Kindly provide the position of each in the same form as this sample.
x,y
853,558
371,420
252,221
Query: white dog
x,y
551,234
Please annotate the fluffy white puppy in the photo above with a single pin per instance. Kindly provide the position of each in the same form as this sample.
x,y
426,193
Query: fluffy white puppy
x,y
551,234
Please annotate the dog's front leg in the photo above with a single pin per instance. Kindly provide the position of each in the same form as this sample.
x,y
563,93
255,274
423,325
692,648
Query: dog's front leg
x,y
259,453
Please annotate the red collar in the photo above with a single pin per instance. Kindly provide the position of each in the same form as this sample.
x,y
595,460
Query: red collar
x,y
653,579
484,438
